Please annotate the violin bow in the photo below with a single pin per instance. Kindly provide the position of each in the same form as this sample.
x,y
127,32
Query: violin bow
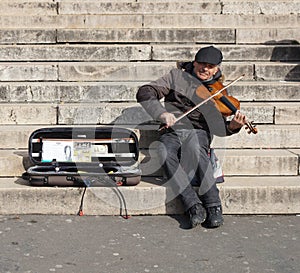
x,y
206,100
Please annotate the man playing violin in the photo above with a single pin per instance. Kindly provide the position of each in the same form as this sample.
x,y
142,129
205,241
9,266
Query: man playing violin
x,y
185,144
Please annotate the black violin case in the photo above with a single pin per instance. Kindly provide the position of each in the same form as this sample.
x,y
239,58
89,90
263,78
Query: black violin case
x,y
83,156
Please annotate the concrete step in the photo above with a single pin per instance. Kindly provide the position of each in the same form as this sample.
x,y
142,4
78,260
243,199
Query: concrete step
x,y
267,35
267,91
68,92
147,71
256,35
106,7
71,92
16,138
234,162
231,53
28,36
222,20
134,114
59,52
140,20
14,8
237,162
286,115
151,7
165,7
137,52
268,137
199,34
240,195
137,71
119,113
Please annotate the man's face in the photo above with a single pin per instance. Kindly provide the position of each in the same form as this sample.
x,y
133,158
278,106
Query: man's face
x,y
204,71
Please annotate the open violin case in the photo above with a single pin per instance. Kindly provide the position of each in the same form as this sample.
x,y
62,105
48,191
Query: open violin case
x,y
83,156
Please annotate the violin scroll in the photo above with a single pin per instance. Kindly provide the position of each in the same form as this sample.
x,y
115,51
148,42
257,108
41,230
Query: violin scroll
x,y
251,128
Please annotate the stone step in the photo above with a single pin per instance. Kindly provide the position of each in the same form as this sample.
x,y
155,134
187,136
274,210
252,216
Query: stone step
x,y
137,71
87,71
140,20
165,7
28,114
231,53
199,34
59,52
239,162
121,113
126,113
286,115
222,21
68,92
267,35
136,52
151,7
235,162
16,137
268,137
267,91
28,36
256,35
247,195
28,7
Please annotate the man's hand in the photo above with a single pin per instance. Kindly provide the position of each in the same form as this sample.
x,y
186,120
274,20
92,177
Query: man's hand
x,y
237,122
168,119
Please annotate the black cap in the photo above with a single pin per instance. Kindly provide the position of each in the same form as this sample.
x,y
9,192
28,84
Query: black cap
x,y
210,55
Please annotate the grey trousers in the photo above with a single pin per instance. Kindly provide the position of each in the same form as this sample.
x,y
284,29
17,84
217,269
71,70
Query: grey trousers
x,y
184,154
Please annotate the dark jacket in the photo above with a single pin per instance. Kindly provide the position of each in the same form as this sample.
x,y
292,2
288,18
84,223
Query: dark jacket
x,y
178,88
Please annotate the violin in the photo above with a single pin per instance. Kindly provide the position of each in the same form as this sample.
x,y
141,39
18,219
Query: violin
x,y
227,105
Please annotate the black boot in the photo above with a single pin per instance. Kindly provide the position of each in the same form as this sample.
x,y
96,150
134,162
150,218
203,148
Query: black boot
x,y
214,217
197,214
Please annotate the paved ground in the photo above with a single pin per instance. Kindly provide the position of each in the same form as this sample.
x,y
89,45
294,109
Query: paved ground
x,y
260,244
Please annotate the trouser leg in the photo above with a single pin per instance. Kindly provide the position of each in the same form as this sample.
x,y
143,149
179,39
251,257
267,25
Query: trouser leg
x,y
196,161
170,153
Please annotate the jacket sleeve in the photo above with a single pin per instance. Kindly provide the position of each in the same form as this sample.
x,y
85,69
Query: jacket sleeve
x,y
149,95
148,98
231,132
